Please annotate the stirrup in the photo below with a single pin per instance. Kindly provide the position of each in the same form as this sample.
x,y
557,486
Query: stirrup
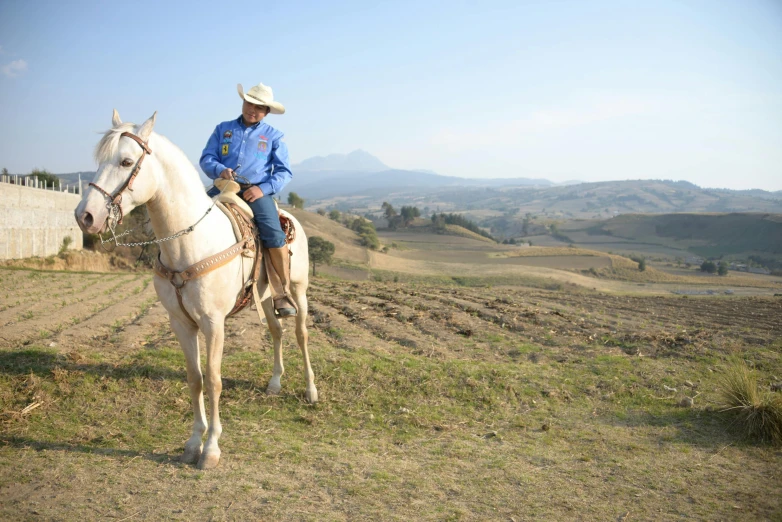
x,y
284,311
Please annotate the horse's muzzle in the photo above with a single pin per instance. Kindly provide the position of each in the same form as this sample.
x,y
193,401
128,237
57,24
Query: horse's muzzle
x,y
87,222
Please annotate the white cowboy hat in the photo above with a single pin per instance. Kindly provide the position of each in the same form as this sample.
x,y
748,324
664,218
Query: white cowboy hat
x,y
261,95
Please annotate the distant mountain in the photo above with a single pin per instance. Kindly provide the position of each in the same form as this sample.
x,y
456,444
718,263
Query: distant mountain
x,y
603,200
358,160
322,184
360,173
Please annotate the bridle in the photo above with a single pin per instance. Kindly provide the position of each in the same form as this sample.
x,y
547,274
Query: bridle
x,y
115,201
113,204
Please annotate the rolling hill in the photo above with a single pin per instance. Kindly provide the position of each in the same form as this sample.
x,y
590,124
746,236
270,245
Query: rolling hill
x,y
707,235
361,182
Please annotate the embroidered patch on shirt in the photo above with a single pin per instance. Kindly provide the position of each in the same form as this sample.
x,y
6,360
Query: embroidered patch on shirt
x,y
262,144
224,150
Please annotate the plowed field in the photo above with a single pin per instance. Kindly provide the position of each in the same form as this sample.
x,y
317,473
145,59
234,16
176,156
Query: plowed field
x,y
437,403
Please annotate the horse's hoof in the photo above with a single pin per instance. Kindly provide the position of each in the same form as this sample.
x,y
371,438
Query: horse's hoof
x,y
311,395
190,456
209,461
285,313
273,388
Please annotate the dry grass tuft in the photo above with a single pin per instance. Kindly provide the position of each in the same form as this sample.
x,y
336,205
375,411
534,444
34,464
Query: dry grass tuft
x,y
758,414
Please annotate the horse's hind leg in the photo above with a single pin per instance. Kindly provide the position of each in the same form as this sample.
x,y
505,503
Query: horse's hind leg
x,y
299,292
275,328
187,335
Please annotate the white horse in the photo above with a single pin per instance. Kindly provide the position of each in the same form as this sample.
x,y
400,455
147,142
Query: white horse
x,y
172,190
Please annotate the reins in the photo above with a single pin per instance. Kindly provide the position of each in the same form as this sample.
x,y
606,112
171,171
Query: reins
x,y
245,243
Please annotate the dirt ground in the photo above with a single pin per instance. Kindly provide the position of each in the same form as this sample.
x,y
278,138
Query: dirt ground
x,y
437,403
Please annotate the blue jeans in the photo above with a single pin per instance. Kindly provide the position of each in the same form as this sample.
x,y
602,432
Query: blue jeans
x,y
266,219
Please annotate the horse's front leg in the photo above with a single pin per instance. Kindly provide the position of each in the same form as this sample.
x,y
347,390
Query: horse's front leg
x,y
187,334
275,328
214,332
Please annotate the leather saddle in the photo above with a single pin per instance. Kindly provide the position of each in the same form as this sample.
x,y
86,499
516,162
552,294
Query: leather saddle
x,y
241,217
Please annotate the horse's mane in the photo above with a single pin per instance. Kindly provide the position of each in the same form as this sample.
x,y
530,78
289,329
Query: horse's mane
x,y
108,144
107,147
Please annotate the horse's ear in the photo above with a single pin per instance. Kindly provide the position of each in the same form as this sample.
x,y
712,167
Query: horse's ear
x,y
146,127
115,119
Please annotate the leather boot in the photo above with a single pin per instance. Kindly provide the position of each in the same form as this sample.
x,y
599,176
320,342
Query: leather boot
x,y
278,269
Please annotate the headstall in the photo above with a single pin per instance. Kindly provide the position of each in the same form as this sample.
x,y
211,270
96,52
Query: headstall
x,y
115,200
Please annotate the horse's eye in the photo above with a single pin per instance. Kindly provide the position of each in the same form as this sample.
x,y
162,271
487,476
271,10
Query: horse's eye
x,y
127,162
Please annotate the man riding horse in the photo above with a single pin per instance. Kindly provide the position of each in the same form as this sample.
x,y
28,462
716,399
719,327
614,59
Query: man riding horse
x,y
249,149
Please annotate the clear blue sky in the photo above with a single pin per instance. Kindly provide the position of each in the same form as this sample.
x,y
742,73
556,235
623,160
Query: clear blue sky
x,y
563,90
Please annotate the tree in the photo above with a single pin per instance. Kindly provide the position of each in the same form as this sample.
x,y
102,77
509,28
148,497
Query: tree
x,y
321,251
45,177
722,269
295,201
335,215
438,221
321,211
394,220
640,260
409,214
366,231
708,267
388,210
5,171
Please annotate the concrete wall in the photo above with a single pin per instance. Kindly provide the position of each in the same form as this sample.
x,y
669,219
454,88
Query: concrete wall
x,y
34,221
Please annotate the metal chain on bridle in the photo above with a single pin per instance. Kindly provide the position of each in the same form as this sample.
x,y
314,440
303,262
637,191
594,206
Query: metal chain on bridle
x,y
113,205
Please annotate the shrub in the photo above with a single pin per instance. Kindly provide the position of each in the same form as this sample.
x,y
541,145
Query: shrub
x,y
66,242
722,269
46,177
295,200
409,214
640,260
708,267
758,415
335,215
366,231
440,220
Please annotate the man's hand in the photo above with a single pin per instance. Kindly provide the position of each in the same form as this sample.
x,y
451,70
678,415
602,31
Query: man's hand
x,y
252,193
227,174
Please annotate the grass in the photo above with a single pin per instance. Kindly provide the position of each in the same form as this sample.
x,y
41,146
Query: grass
x,y
757,414
552,419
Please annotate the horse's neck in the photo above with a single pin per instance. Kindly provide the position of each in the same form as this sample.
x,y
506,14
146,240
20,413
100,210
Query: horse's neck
x,y
179,204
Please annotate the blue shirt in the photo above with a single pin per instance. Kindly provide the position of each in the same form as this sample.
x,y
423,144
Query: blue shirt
x,y
257,152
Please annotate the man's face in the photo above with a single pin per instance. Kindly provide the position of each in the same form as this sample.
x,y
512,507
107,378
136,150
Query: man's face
x,y
253,113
